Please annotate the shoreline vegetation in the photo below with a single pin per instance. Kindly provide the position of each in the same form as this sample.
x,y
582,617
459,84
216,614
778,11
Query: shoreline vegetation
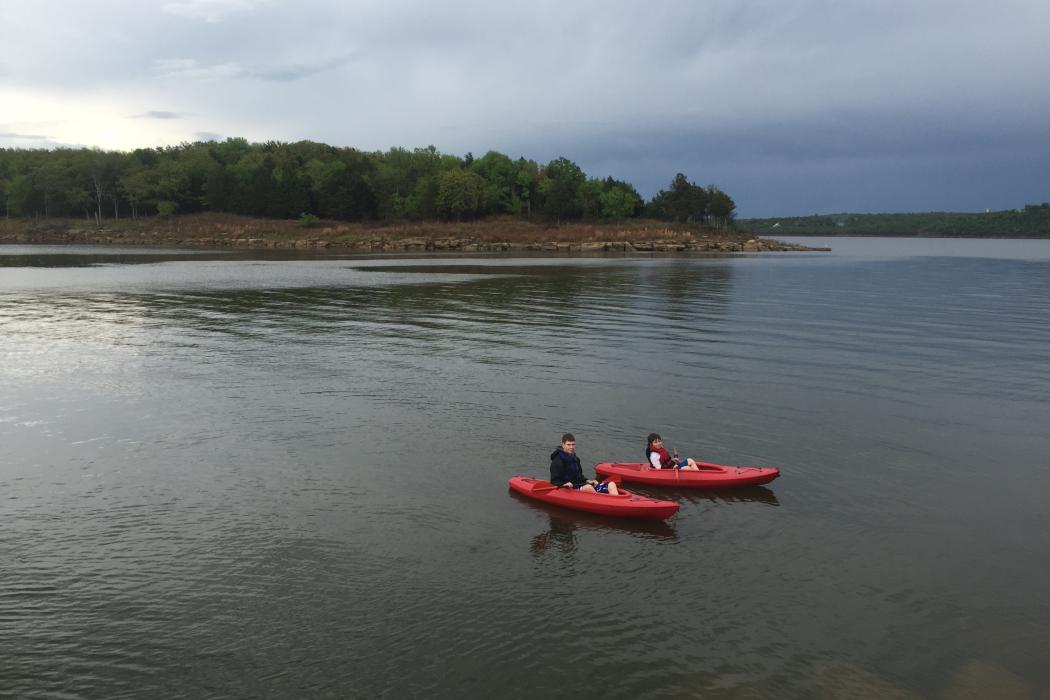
x,y
308,195
1033,221
495,234
313,181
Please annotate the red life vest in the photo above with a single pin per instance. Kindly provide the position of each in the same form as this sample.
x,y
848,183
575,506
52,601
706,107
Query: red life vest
x,y
666,460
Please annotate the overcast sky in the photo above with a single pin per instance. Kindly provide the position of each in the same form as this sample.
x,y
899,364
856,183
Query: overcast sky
x,y
793,107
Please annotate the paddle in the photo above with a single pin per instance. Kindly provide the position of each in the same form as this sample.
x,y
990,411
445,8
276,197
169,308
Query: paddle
x,y
540,486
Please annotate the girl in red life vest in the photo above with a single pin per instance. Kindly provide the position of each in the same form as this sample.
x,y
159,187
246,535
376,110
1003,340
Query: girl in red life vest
x,y
660,458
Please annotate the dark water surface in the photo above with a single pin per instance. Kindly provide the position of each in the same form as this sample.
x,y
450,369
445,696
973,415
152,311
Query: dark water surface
x,y
226,476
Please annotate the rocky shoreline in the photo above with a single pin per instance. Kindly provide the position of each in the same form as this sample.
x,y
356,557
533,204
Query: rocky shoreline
x,y
476,237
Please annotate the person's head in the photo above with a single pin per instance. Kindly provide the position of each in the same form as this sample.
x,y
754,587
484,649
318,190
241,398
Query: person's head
x,y
654,440
568,443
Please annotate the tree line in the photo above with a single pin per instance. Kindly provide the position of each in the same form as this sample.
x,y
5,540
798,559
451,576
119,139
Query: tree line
x,y
290,180
1033,220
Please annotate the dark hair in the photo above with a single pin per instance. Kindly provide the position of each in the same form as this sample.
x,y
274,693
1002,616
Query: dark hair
x,y
568,437
652,436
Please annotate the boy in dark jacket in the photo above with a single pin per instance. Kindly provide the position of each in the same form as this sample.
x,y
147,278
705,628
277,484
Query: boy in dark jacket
x,y
566,470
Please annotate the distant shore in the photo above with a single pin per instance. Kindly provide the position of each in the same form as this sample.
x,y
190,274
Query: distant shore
x,y
1033,221
502,234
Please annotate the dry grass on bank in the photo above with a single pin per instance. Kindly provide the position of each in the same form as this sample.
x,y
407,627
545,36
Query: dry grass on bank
x,y
213,226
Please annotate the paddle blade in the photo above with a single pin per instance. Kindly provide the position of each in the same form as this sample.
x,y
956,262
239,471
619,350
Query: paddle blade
x,y
539,486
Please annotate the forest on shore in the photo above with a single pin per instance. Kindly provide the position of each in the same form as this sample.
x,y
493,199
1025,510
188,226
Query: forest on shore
x,y
1033,221
311,181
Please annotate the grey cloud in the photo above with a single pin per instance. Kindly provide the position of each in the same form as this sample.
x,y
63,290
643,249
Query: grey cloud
x,y
783,104
293,72
825,164
208,136
190,69
280,73
158,114
29,137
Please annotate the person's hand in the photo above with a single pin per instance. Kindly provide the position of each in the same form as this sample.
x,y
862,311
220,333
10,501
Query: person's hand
x,y
567,484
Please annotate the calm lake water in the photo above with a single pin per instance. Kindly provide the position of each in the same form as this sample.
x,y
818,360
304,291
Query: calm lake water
x,y
227,475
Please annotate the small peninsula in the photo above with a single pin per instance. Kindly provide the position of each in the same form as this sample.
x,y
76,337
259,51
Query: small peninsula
x,y
308,195
495,234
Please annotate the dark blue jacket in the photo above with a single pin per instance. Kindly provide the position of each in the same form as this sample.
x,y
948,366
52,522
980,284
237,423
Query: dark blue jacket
x,y
566,467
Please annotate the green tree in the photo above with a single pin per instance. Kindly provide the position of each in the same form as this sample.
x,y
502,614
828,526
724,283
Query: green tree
x,y
590,197
277,179
219,188
136,188
322,178
249,175
499,174
526,184
171,180
20,195
423,198
344,188
721,205
619,203
167,180
561,190
52,180
198,163
459,194
686,201
102,169
405,182
230,151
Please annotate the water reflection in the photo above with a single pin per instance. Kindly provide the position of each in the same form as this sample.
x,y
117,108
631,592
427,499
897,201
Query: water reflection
x,y
85,256
563,525
747,494
461,307
60,259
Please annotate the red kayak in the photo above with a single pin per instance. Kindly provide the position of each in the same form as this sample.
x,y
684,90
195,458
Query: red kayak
x,y
709,476
623,505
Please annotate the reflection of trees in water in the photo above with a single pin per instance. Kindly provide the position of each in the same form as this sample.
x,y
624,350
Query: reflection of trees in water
x,y
681,280
597,310
83,260
615,299
566,287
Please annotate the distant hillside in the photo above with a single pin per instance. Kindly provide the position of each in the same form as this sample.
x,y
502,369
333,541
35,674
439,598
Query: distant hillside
x,y
1031,222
